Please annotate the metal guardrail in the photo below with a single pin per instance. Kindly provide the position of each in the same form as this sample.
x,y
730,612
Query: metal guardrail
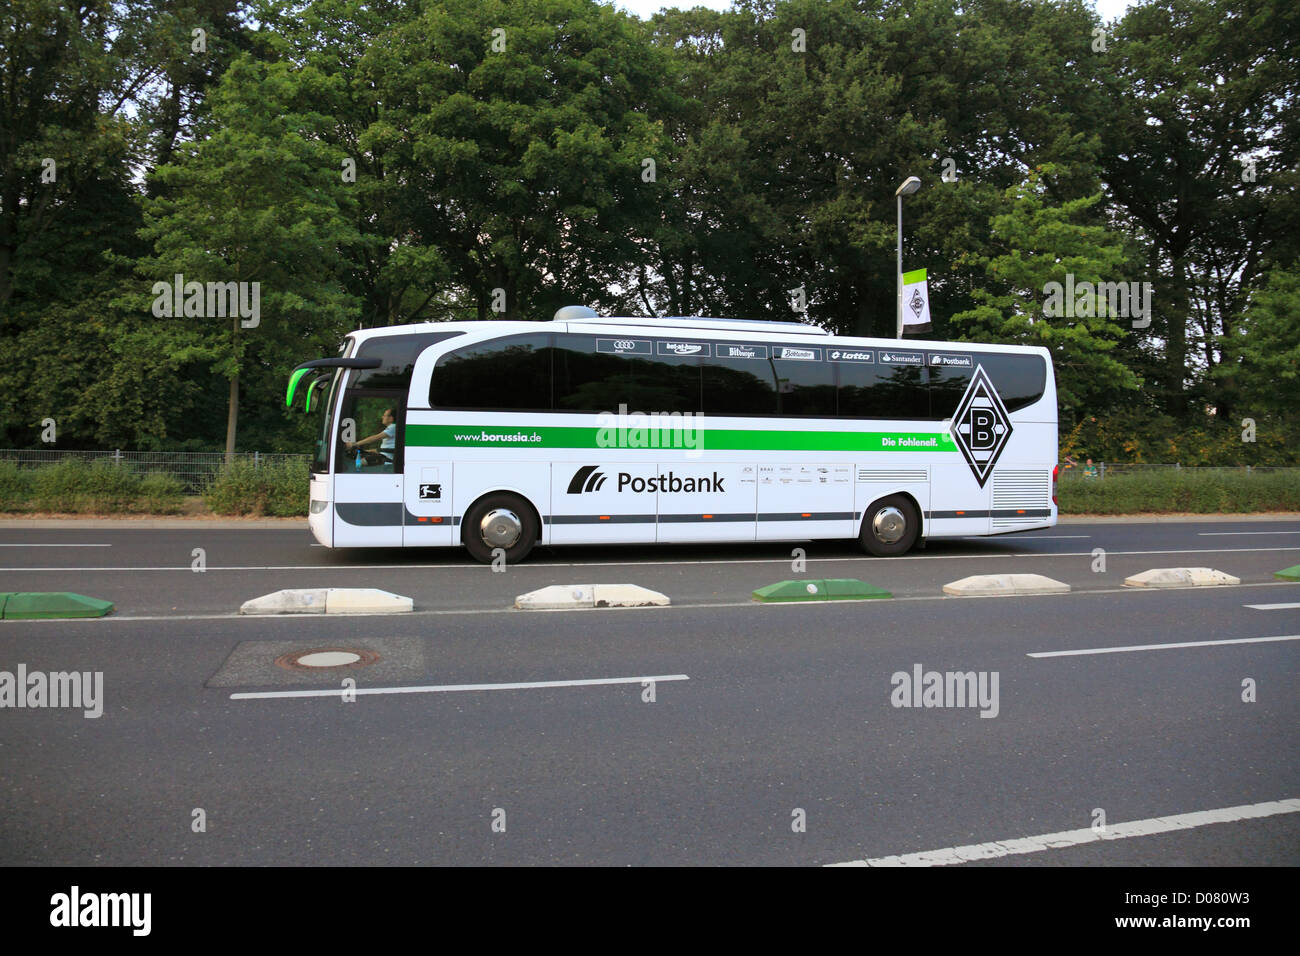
x,y
195,469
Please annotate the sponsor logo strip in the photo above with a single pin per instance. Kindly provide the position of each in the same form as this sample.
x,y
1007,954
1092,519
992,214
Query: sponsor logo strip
x,y
717,439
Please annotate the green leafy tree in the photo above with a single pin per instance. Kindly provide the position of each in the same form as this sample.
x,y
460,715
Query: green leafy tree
x,y
519,132
1041,243
259,200
1197,89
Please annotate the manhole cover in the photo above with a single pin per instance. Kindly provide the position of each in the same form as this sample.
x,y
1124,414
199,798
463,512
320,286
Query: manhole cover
x,y
326,657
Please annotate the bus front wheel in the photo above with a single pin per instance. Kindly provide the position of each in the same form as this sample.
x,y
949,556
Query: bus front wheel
x,y
890,526
502,521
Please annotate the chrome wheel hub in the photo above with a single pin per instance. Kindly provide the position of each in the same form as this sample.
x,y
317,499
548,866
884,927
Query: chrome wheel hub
x,y
888,525
501,528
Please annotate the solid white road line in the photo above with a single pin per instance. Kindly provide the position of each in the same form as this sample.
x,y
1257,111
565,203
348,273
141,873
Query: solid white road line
x,y
1207,534
1055,841
630,564
1271,607
445,688
1164,647
55,545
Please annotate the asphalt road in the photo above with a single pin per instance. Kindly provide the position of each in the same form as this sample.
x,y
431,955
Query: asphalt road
x,y
762,717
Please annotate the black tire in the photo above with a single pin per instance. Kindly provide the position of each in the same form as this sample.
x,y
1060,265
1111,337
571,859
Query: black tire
x,y
880,524
478,541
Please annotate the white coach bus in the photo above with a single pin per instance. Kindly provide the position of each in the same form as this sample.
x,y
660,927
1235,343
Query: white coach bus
x,y
590,430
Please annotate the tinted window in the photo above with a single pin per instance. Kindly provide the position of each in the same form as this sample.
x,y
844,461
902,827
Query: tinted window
x,y
1019,379
948,383
510,374
598,374
805,382
398,354
869,390
739,379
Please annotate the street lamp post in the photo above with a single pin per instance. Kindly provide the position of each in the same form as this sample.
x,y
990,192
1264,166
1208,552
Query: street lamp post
x,y
910,185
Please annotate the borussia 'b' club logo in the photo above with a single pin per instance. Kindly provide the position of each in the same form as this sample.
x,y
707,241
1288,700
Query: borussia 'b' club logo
x,y
981,426
917,303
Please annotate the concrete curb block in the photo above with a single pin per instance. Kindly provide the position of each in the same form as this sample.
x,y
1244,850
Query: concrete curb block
x,y
1180,578
1002,585
328,601
556,597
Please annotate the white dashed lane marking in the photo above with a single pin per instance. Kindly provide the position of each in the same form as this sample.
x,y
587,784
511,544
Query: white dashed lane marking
x,y
446,688
1066,838
1163,647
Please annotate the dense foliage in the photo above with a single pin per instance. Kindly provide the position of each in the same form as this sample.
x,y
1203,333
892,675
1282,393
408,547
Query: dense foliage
x,y
377,162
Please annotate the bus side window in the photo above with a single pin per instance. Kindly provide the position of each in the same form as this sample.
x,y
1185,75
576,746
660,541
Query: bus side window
x,y
590,380
947,387
869,390
805,388
738,381
377,417
1019,379
509,374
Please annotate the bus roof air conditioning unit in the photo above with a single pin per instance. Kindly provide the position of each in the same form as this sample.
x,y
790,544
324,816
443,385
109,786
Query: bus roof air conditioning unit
x,y
569,313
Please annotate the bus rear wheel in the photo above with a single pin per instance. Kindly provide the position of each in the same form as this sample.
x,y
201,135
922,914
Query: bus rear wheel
x,y
501,521
890,526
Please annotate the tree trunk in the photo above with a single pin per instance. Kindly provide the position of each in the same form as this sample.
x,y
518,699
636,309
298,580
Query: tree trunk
x,y
1176,342
232,419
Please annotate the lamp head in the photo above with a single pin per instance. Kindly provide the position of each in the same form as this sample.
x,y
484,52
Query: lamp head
x,y
910,185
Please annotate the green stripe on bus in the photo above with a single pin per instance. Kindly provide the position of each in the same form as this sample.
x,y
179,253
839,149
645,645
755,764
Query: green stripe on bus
x,y
717,439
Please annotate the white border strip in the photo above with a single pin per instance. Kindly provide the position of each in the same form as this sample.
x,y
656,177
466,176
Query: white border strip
x,y
1214,534
1055,841
444,688
1164,647
1271,607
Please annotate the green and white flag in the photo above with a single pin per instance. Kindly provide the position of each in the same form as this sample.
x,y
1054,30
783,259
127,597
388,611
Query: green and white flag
x,y
916,303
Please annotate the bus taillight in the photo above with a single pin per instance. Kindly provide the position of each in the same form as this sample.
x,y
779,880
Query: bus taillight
x,y
1055,470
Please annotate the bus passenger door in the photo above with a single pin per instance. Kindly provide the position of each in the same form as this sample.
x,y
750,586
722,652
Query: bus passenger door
x,y
368,465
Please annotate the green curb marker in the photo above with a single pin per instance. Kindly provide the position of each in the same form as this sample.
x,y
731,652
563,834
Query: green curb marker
x,y
826,589
1289,574
39,605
